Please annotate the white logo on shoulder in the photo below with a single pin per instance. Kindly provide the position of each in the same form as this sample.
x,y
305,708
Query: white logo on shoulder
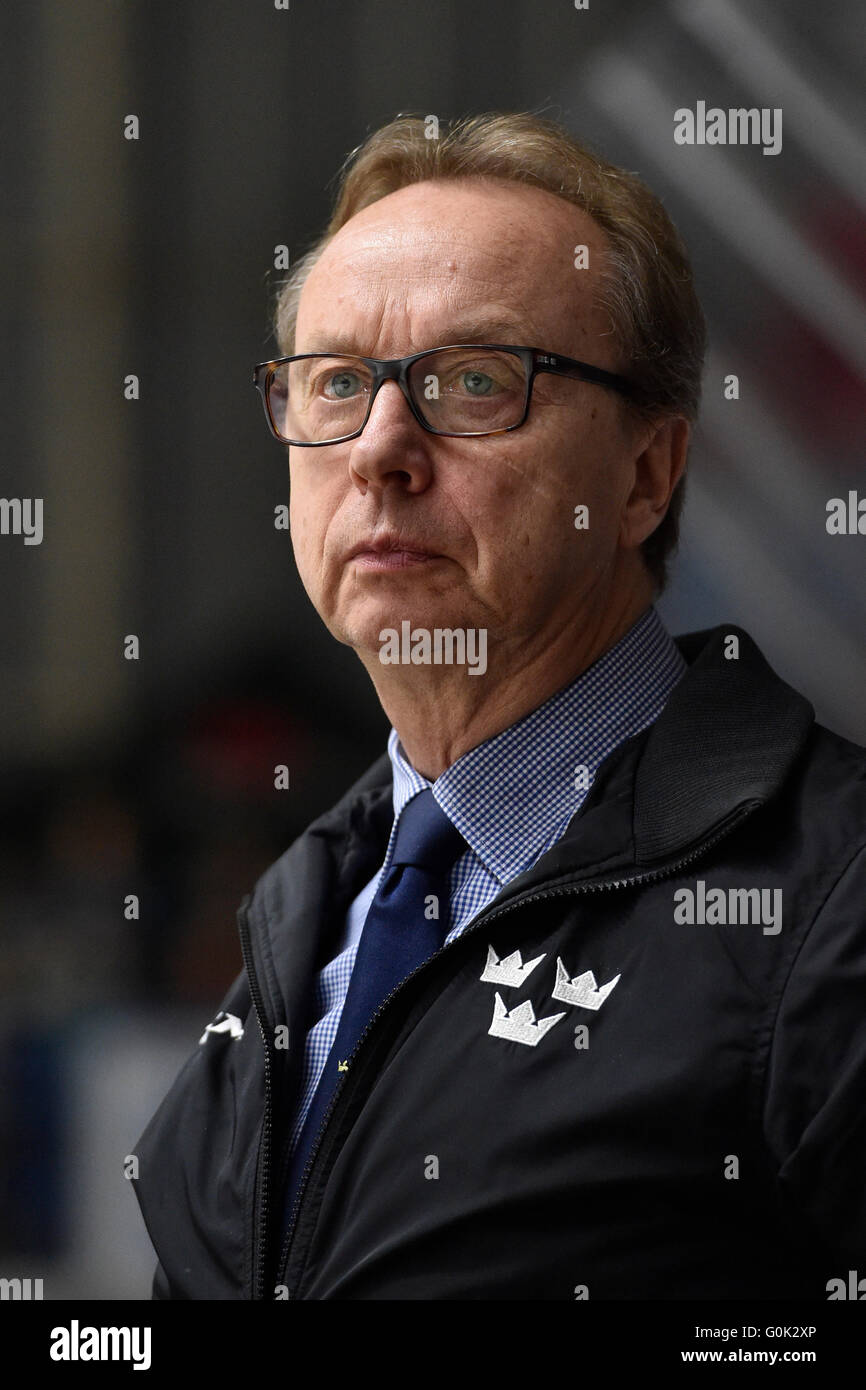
x,y
582,990
520,1024
508,971
224,1023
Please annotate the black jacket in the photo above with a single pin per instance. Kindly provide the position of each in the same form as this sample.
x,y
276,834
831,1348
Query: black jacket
x,y
700,1134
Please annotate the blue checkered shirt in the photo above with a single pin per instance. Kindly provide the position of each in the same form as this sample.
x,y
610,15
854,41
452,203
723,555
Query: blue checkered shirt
x,y
511,798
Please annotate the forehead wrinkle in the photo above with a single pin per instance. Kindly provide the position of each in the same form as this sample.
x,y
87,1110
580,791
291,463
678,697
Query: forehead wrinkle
x,y
444,305
492,269
426,234
435,305
357,273
480,327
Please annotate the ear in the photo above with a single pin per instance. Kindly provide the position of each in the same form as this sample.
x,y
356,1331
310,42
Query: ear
x,y
657,470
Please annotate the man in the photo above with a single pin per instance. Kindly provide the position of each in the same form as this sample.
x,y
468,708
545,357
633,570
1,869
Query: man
x,y
565,998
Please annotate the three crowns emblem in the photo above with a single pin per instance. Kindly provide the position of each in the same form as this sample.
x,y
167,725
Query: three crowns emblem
x,y
520,1024
510,970
582,990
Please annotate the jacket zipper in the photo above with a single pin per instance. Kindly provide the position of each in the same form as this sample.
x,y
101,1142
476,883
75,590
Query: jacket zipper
x,y
492,915
260,1232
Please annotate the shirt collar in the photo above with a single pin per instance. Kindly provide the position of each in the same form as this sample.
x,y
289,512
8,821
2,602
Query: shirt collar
x,y
512,796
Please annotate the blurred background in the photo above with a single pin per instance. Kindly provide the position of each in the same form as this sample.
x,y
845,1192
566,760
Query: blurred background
x,y
155,257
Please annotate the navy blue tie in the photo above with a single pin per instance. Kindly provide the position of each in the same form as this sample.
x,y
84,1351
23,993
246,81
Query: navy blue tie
x,y
406,922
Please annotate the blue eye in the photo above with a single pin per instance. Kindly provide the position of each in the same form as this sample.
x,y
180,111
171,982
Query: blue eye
x,y
342,384
477,383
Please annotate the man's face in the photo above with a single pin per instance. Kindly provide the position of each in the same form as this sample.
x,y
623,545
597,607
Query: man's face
x,y
482,531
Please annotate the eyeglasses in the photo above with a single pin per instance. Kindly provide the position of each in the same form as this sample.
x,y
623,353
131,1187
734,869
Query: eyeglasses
x,y
462,390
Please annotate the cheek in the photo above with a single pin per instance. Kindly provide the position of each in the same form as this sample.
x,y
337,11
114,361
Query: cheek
x,y
307,528
532,499
556,511
297,521
309,501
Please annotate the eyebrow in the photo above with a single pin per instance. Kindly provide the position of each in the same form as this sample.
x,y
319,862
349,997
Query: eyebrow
x,y
482,329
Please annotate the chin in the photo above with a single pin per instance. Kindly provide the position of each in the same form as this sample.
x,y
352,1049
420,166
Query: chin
x,y
363,627
359,626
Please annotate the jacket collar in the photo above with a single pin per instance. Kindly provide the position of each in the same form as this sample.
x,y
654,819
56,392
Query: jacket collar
x,y
728,735
726,739
725,742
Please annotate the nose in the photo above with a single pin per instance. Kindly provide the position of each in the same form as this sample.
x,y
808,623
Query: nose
x,y
394,448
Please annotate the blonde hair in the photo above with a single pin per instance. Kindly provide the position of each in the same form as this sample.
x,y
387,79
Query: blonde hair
x,y
645,287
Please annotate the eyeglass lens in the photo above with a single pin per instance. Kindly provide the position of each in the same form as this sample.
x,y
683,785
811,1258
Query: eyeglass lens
x,y
459,391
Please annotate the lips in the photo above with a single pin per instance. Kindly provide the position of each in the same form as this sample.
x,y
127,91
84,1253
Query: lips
x,y
391,552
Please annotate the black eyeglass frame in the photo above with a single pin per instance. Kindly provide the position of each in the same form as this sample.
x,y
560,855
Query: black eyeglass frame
x,y
534,360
